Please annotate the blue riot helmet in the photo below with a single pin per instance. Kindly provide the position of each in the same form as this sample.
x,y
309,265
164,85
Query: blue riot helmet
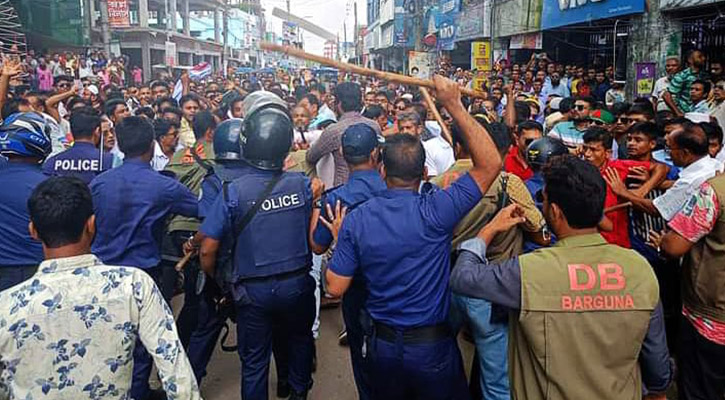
x,y
226,140
25,135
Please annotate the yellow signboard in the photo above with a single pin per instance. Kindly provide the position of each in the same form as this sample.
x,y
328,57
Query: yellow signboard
x,y
481,56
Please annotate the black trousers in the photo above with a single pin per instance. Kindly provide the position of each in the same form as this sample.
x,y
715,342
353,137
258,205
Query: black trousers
x,y
701,366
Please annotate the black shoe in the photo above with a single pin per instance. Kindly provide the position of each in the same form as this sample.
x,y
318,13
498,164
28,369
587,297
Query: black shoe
x,y
157,394
298,396
283,389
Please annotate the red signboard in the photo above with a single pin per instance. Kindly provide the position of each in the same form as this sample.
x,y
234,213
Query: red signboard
x,y
118,16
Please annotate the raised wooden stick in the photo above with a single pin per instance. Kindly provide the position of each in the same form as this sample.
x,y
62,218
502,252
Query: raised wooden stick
x,y
182,263
387,76
445,132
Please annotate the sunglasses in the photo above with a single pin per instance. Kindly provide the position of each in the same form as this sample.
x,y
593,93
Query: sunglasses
x,y
64,85
721,87
579,107
596,122
624,120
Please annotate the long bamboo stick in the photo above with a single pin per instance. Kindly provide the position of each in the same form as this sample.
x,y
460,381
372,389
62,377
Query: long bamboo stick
x,y
437,115
387,76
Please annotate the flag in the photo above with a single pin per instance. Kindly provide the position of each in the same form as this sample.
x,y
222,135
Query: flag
x,y
200,71
178,90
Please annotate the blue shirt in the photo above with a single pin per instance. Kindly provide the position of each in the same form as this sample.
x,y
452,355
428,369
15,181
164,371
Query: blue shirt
x,y
17,248
131,203
400,241
82,161
361,186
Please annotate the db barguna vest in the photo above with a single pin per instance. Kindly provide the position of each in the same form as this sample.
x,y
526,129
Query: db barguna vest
x,y
275,240
703,269
585,309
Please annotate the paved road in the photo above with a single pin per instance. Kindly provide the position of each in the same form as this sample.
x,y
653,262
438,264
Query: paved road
x,y
333,379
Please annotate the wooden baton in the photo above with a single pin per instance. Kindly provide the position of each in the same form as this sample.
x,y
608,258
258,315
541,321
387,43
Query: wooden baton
x,y
182,263
446,133
387,76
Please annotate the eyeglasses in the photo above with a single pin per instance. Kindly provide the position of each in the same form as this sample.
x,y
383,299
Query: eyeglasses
x,y
64,85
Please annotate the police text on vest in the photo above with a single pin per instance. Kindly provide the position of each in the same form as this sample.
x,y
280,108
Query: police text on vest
x,y
280,202
77,165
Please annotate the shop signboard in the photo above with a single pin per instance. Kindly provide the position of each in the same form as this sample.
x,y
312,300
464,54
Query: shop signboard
x,y
532,41
170,56
473,21
558,13
481,56
118,16
645,78
421,64
670,4
446,23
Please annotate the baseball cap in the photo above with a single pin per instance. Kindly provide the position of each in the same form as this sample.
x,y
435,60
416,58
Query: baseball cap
x,y
602,116
93,89
554,103
358,141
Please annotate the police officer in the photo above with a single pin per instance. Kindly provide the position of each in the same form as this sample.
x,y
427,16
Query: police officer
x,y
538,154
84,160
267,213
215,300
131,203
361,151
189,166
25,141
400,242
589,309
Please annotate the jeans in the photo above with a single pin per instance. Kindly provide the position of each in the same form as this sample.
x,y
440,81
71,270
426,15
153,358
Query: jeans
x,y
491,340
11,276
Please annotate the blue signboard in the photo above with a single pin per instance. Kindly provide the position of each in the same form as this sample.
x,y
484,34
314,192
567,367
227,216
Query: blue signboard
x,y
446,23
558,13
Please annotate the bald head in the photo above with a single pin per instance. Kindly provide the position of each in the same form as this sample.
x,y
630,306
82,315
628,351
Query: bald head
x,y
300,118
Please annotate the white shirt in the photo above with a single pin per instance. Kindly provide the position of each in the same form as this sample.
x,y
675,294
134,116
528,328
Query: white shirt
x,y
438,155
310,136
660,86
159,160
691,177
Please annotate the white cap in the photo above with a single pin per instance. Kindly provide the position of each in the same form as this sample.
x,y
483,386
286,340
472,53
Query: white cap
x,y
697,117
93,89
555,103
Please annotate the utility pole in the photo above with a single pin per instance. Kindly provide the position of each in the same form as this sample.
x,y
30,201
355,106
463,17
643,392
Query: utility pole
x,y
356,33
493,31
105,31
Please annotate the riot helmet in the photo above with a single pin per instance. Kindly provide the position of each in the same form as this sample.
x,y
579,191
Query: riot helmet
x,y
267,137
541,150
227,140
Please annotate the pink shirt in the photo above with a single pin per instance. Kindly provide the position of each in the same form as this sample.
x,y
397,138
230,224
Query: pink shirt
x,y
45,79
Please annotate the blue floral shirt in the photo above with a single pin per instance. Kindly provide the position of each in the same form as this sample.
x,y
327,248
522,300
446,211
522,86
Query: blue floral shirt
x,y
69,332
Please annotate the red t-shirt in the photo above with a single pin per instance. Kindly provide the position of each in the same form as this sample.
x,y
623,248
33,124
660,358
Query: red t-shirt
x,y
514,165
620,218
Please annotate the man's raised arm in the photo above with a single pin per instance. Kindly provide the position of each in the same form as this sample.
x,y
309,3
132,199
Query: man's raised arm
x,y
485,156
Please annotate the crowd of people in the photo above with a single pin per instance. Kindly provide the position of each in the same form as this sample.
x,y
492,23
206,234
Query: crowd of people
x,y
575,239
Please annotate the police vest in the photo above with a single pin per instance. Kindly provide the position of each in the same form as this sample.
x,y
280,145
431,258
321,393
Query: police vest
x,y
704,266
275,240
585,310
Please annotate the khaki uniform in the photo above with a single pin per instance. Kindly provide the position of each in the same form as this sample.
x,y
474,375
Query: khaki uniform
x,y
296,162
507,244
703,267
190,173
585,310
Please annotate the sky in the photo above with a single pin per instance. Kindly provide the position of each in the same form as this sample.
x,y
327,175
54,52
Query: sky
x,y
328,14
